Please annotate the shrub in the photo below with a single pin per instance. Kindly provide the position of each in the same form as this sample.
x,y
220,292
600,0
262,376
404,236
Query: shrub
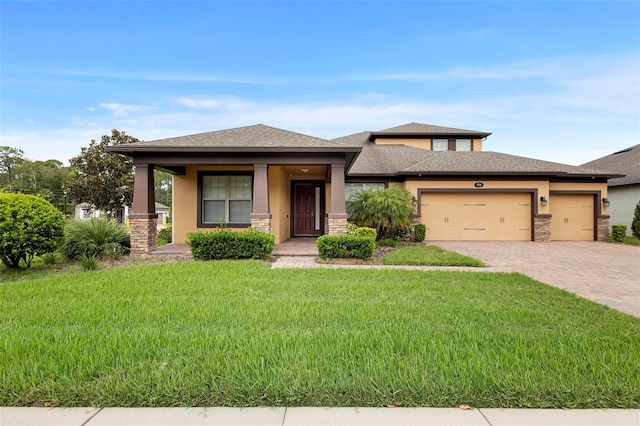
x,y
388,209
29,226
224,244
345,246
635,223
618,232
419,232
50,258
94,237
365,232
387,242
352,228
165,235
399,233
89,263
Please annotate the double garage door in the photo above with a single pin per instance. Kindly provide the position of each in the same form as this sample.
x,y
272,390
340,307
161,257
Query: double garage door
x,y
477,216
496,216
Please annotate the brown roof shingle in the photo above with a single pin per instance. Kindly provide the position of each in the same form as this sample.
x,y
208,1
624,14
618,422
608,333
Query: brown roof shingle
x,y
256,137
626,161
427,129
404,160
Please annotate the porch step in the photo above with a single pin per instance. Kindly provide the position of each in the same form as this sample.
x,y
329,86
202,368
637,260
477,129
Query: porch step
x,y
296,247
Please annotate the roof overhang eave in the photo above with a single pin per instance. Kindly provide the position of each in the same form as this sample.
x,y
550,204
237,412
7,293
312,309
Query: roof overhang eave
x,y
375,135
131,150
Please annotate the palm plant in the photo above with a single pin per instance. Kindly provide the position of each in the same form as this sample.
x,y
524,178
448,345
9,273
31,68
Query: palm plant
x,y
383,209
94,237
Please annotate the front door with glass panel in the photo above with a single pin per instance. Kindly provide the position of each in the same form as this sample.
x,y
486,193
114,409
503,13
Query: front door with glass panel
x,y
307,216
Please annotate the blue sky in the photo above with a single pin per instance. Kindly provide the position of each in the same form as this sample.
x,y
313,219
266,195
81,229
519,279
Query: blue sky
x,y
557,81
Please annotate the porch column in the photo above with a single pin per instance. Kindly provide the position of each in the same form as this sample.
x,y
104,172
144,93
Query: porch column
x,y
337,219
143,219
260,216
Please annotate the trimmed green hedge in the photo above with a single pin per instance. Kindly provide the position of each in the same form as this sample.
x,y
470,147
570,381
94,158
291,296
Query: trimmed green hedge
x,y
419,232
334,246
365,232
618,232
249,244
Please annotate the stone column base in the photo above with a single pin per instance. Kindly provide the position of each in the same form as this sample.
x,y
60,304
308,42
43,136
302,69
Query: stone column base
x,y
337,224
144,233
261,222
603,228
542,228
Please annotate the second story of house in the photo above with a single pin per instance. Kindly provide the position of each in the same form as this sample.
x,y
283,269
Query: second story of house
x,y
432,138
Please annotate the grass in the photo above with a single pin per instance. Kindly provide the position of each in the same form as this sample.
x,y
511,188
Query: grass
x,y
428,255
631,240
241,334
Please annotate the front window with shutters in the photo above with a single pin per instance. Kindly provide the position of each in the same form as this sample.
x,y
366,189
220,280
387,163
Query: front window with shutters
x,y
225,198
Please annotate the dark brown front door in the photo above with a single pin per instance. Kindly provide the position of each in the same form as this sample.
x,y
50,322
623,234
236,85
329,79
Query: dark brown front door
x,y
305,210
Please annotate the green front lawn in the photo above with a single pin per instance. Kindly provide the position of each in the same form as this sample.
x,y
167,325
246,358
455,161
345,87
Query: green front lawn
x,y
428,255
242,334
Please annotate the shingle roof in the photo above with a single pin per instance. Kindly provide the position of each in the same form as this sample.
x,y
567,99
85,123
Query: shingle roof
x,y
257,137
405,160
626,161
357,139
426,129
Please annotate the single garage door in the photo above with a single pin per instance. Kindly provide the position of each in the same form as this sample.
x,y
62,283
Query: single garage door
x,y
572,217
477,216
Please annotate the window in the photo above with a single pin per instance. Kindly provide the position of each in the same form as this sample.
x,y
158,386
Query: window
x,y
350,190
226,198
440,144
463,144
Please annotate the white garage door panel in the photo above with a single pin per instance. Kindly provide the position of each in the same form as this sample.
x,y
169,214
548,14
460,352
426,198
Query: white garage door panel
x,y
477,216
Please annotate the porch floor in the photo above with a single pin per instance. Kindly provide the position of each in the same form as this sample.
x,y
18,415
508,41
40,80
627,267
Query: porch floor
x,y
301,246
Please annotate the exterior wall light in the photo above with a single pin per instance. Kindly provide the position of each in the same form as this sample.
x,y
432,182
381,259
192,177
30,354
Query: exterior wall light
x,y
543,201
606,202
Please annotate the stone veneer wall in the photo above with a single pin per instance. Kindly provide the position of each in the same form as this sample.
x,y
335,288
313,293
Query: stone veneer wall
x,y
144,234
261,224
603,228
337,224
542,228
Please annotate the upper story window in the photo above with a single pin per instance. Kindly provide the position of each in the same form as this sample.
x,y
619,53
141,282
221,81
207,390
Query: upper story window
x,y
440,144
463,144
225,198
451,145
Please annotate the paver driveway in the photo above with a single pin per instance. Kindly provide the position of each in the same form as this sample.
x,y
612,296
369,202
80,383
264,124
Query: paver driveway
x,y
603,272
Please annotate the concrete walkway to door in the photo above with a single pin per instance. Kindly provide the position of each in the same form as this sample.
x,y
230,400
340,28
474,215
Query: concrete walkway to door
x,y
603,272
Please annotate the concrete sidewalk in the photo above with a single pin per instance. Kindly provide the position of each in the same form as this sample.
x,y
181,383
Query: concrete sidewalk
x,y
312,416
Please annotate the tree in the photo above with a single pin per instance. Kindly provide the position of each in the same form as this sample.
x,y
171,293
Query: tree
x,y
100,178
385,210
635,223
10,158
29,226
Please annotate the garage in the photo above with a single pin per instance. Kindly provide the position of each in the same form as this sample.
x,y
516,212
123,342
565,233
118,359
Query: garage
x,y
477,216
572,217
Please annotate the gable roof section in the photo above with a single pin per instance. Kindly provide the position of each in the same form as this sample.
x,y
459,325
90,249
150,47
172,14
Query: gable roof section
x,y
256,138
419,129
626,161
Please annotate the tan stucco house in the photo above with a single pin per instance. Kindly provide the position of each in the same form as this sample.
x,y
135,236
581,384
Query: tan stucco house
x,y
624,192
291,184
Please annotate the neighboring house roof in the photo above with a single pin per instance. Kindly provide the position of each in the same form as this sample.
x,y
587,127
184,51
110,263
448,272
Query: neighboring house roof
x,y
256,138
626,161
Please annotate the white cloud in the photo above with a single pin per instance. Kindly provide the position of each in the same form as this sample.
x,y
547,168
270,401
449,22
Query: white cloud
x,y
177,77
120,110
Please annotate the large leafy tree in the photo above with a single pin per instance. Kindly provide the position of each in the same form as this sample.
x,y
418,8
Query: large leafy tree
x,y
100,178
10,159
